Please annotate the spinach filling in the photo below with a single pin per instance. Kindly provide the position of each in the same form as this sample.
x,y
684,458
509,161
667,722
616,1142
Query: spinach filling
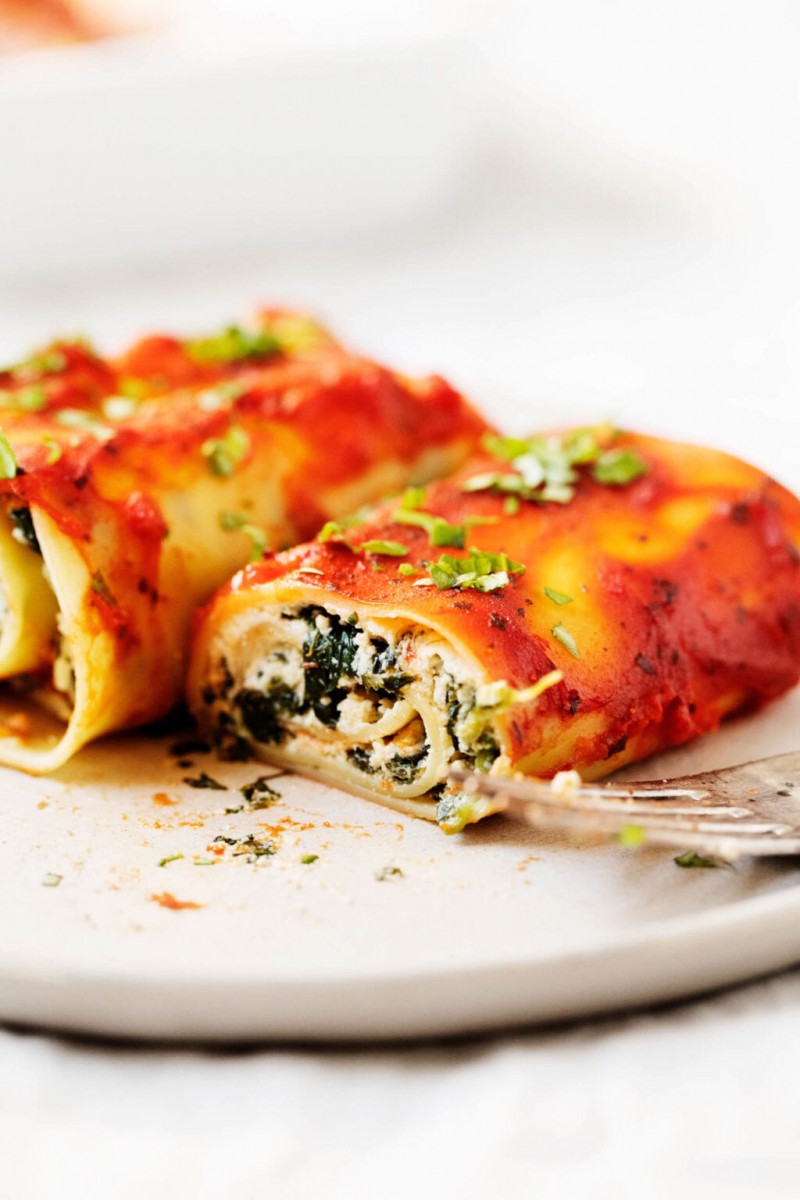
x,y
333,665
404,768
260,710
483,750
328,660
23,528
360,757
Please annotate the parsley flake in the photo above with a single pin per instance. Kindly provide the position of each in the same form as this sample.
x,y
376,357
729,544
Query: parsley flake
x,y
618,467
494,699
32,398
413,497
394,549
8,460
690,858
224,454
546,468
566,639
481,571
236,522
162,862
557,597
54,450
233,344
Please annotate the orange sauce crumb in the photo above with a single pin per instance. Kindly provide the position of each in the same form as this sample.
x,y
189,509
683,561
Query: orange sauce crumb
x,y
167,900
163,799
524,862
42,804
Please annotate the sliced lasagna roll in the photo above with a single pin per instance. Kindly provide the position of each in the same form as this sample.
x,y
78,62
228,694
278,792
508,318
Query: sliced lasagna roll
x,y
131,489
579,600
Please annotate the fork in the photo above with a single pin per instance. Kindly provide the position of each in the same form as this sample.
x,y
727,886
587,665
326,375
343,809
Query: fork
x,y
752,809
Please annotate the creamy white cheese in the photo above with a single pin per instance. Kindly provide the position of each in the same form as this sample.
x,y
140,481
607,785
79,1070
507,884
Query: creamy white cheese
x,y
401,735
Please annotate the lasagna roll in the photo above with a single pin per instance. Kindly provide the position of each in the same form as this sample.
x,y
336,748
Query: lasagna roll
x,y
131,488
571,601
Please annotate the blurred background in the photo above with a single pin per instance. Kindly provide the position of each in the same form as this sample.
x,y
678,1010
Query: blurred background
x,y
575,211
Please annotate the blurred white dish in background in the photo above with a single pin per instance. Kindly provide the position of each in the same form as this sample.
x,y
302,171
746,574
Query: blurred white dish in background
x,y
187,142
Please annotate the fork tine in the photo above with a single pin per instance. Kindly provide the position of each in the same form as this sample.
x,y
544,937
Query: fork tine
x,y
688,816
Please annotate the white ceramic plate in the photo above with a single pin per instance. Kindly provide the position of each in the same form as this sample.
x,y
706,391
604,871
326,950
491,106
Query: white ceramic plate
x,y
496,927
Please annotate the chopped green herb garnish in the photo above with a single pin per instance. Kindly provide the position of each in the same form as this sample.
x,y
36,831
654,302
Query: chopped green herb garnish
x,y
407,569
224,454
557,597
330,530
205,781
545,468
618,467
482,571
236,522
30,399
334,529
413,497
440,532
690,858
170,858
54,448
494,699
204,862
8,460
101,588
394,549
133,388
511,506
309,858
566,639
631,835
233,344
51,879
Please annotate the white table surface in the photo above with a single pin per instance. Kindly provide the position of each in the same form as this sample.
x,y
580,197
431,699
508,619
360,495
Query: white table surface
x,y
582,271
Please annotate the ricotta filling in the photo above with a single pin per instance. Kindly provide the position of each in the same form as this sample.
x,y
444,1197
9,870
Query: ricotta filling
x,y
383,705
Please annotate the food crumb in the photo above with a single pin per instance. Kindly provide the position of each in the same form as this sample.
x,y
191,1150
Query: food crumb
x,y
163,799
167,900
389,872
